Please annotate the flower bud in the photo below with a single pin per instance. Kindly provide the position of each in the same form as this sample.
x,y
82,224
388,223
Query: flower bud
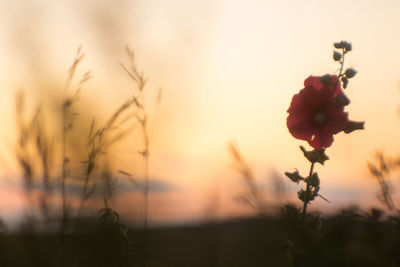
x,y
302,195
294,176
326,79
342,99
350,73
337,56
345,82
345,45
316,155
313,180
338,45
354,125
348,47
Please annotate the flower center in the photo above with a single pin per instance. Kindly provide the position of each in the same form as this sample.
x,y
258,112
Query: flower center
x,y
319,118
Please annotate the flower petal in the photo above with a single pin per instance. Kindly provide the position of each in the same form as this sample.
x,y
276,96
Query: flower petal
x,y
315,98
314,81
322,138
338,119
299,111
302,130
326,137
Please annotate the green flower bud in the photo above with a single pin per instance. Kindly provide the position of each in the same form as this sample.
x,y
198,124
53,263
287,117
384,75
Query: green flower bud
x,y
345,45
337,56
314,180
350,73
342,99
326,79
345,82
348,47
338,45
302,194
294,176
315,155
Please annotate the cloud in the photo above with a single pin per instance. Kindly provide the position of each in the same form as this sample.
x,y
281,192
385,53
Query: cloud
x,y
155,186
121,185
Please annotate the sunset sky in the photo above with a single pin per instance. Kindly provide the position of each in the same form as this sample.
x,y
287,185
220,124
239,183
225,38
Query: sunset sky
x,y
228,70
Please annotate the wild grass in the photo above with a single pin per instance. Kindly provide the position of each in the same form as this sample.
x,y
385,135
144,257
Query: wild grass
x,y
68,118
73,233
253,195
99,140
381,168
142,117
38,147
23,149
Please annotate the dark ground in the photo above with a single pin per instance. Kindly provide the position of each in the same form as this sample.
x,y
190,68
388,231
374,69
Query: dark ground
x,y
350,238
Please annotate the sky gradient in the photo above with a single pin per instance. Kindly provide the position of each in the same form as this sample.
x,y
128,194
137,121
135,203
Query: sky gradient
x,y
228,70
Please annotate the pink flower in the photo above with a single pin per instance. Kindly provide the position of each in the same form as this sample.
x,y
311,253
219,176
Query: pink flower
x,y
316,113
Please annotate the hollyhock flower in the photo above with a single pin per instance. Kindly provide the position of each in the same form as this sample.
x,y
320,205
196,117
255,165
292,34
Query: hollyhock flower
x,y
316,113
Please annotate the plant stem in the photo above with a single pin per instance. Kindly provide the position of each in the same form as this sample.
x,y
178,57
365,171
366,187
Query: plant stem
x,y
342,64
64,201
307,190
340,71
146,186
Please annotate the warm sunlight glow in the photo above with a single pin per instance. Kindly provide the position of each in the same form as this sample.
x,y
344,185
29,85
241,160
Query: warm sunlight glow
x,y
228,71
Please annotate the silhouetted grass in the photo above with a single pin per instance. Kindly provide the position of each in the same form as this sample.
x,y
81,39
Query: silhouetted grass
x,y
72,233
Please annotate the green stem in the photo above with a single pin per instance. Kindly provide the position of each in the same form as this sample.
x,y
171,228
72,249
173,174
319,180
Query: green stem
x,y
340,71
342,64
308,190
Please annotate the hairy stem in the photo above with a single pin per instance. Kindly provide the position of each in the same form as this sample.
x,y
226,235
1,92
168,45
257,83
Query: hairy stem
x,y
308,190
340,71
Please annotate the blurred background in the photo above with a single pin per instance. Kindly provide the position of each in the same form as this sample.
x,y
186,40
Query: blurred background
x,y
228,70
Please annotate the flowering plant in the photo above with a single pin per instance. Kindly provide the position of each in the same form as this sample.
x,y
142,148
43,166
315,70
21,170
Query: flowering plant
x,y
317,113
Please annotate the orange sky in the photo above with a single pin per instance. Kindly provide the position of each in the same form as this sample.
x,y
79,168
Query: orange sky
x,y
228,70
